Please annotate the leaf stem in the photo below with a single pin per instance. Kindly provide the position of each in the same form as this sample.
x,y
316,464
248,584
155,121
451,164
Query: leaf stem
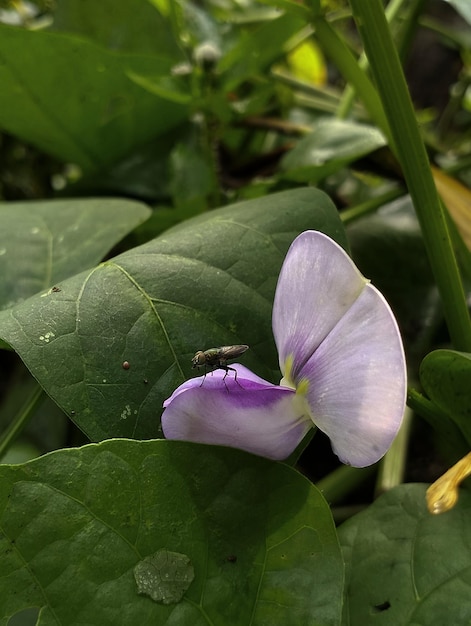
x,y
391,12
392,467
21,419
340,54
339,483
370,206
445,427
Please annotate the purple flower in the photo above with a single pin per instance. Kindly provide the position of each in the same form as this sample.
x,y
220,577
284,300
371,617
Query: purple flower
x,y
342,362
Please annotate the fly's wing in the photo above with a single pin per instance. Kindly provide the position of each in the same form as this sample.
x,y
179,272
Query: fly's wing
x,y
227,353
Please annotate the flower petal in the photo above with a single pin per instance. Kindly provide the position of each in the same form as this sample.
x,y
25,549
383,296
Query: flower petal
x,y
318,283
250,414
357,381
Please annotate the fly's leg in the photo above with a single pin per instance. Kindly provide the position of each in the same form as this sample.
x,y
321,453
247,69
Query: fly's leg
x,y
233,369
204,377
226,369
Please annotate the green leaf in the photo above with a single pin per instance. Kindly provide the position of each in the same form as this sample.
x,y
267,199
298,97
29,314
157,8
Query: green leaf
x,y
191,179
332,144
43,243
445,376
142,173
172,88
257,49
405,566
207,282
291,6
76,523
90,117
130,26
164,576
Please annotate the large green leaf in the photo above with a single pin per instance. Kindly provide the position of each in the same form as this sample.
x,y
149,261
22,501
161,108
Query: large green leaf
x,y
118,339
406,567
446,377
42,243
74,99
76,523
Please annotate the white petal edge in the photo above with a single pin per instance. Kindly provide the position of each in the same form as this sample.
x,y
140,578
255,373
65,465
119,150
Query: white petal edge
x,y
318,283
357,381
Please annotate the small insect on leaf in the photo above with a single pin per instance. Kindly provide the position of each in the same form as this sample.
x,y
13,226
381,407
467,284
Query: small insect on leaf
x,y
217,358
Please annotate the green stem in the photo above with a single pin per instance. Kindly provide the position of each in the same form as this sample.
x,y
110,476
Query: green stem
x,y
294,456
409,148
348,96
336,49
422,405
408,26
370,206
440,422
21,419
339,483
343,513
392,466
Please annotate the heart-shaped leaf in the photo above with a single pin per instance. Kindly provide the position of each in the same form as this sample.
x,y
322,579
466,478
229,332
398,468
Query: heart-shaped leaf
x,y
406,566
42,243
79,528
118,339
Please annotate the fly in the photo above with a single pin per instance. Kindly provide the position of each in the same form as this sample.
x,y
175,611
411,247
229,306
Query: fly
x,y
217,358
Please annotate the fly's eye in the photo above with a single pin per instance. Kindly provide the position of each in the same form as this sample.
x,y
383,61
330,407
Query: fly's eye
x,y
198,359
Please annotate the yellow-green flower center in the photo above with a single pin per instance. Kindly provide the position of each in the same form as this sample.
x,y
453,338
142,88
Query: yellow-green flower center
x,y
301,387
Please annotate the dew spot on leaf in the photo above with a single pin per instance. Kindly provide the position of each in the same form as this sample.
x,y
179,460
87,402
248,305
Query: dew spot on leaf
x,y
164,576
25,617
